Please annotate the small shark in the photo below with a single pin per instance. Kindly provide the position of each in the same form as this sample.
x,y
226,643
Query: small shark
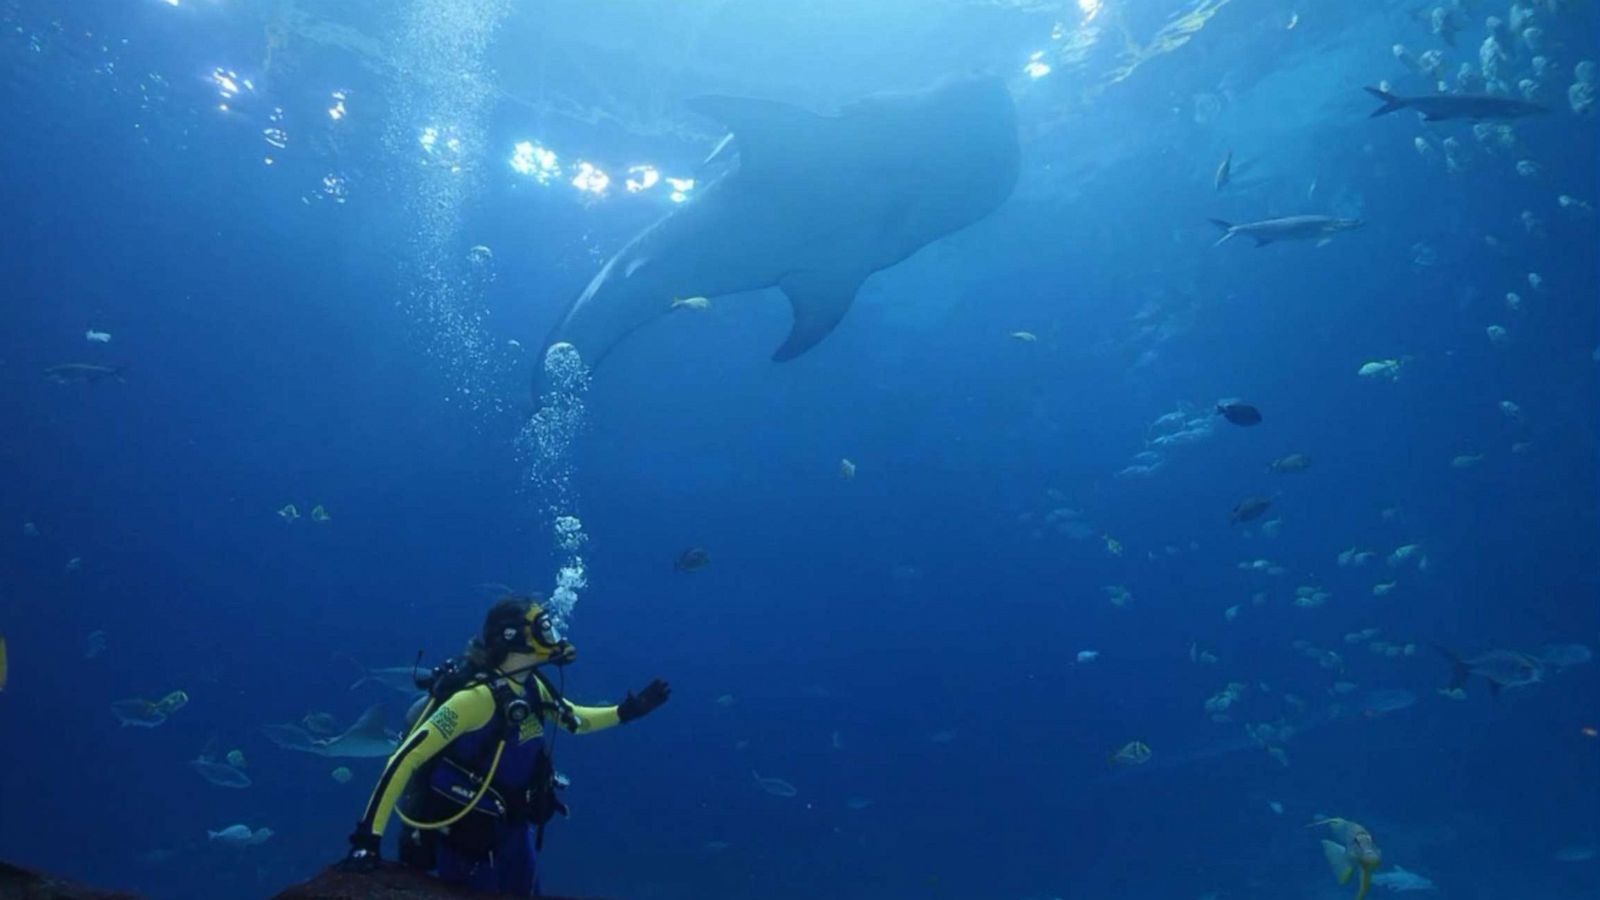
x,y
366,739
395,678
815,205
1290,228
82,373
1444,107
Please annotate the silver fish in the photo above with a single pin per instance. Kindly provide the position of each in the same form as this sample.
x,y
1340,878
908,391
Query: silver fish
x,y
1501,668
1288,228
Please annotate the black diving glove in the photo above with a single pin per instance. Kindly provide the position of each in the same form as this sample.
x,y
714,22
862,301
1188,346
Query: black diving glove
x,y
654,694
363,856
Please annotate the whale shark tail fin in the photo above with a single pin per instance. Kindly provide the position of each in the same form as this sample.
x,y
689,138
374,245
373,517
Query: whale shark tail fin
x,y
820,300
1390,102
765,132
1227,230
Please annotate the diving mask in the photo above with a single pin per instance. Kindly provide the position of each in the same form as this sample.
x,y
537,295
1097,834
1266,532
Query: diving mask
x,y
543,637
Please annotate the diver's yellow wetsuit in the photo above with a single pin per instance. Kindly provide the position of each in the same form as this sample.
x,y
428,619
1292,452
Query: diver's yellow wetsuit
x,y
464,717
485,781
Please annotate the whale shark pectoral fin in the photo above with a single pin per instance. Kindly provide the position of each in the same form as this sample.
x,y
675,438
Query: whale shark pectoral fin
x,y
765,132
820,300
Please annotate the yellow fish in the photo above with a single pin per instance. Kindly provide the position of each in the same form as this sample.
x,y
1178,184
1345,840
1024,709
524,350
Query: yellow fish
x,y
320,514
696,303
1027,337
1113,546
236,759
3,668
289,513
1354,852
847,469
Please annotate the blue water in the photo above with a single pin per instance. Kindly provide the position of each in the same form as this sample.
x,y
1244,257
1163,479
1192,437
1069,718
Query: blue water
x,y
906,637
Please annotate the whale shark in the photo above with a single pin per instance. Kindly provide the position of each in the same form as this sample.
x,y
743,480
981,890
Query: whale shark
x,y
811,204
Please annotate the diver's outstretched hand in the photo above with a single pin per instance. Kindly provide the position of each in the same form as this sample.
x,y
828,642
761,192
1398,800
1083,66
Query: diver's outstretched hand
x,y
363,857
654,694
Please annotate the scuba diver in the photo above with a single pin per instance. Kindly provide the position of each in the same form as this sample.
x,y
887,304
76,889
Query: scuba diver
x,y
473,781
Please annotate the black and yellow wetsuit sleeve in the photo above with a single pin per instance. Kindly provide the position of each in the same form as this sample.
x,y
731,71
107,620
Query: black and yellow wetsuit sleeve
x,y
594,718
588,718
463,713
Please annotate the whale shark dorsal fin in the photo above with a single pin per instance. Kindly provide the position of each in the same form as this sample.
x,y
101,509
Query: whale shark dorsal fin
x,y
820,299
764,131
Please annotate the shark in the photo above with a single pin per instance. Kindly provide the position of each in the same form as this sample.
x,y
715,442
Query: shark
x,y
809,203
395,678
366,739
1445,107
82,373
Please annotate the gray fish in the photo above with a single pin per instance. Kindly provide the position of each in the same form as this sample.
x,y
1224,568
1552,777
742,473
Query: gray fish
x,y
1224,171
1249,508
1501,668
1388,700
1239,412
693,560
82,373
138,712
1288,465
220,774
366,739
1444,107
1288,228
777,787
